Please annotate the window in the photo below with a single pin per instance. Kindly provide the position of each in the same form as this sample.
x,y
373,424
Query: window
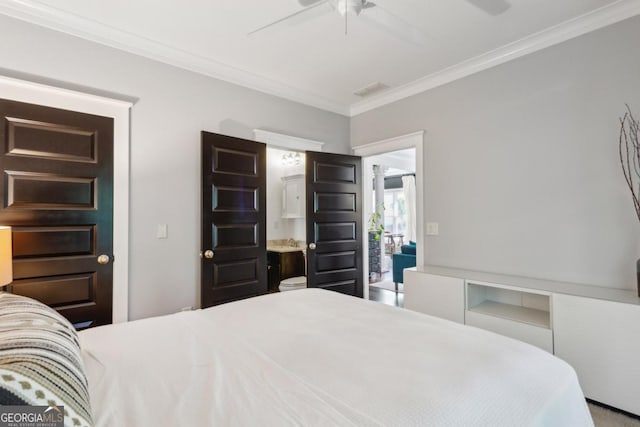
x,y
395,211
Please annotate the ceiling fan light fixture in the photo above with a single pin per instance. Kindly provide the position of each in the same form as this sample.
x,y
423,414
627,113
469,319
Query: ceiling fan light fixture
x,y
347,6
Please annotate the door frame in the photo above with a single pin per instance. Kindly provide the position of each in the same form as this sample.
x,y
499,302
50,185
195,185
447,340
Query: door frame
x,y
286,142
49,96
411,140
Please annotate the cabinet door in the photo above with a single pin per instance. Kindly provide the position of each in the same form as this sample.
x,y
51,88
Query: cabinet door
x,y
438,296
291,264
293,197
273,270
600,340
535,335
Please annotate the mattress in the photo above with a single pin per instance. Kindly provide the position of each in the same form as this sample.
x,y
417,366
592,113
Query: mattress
x,y
315,357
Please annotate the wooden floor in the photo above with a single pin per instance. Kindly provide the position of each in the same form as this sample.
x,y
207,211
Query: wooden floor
x,y
386,297
383,290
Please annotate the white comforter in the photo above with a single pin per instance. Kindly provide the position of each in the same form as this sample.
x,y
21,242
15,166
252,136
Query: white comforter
x,y
315,357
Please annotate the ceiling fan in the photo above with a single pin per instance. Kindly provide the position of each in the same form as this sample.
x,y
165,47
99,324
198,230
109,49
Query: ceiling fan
x,y
373,13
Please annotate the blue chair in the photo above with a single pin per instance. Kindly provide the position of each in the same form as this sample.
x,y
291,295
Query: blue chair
x,y
406,258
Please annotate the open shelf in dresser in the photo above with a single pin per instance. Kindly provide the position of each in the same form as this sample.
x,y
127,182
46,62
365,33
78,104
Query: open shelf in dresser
x,y
519,313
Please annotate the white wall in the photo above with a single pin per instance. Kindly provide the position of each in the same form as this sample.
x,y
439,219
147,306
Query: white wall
x,y
172,107
521,162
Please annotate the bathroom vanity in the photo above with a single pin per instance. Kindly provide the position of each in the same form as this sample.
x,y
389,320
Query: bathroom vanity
x,y
283,262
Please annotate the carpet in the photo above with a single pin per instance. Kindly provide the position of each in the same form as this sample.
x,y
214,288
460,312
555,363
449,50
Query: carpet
x,y
603,417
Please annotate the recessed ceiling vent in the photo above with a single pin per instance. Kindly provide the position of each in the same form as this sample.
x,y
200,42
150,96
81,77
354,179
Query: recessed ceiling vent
x,y
371,89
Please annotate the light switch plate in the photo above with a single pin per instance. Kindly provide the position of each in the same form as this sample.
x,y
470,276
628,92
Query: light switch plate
x,y
432,229
162,231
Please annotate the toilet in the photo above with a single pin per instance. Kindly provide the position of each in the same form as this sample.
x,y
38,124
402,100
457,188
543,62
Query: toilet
x,y
294,283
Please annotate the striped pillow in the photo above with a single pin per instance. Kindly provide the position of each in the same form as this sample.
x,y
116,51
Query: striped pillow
x,y
40,361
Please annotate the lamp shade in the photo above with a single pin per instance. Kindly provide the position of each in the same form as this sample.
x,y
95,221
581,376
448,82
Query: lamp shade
x,y
6,272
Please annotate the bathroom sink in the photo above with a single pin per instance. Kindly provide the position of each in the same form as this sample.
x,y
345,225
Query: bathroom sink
x,y
283,248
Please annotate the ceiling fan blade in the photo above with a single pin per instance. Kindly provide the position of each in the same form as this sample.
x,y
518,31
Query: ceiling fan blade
x,y
319,8
305,3
368,5
393,24
492,7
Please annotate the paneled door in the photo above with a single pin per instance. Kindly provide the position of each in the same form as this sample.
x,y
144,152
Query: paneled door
x,y
234,238
334,222
57,194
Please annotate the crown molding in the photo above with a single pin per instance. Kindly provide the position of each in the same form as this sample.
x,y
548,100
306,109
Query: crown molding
x,y
567,30
55,19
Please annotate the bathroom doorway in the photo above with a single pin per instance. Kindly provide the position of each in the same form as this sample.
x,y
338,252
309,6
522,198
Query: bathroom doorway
x,y
286,216
314,221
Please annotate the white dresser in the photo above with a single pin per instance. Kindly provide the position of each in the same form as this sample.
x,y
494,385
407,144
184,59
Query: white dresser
x,y
595,329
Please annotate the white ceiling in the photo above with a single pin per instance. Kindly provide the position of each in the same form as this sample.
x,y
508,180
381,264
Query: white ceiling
x,y
314,62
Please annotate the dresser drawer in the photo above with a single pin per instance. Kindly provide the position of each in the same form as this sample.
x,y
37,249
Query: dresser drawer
x,y
535,335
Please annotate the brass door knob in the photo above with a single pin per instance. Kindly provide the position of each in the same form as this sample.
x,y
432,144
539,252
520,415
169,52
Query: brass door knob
x,y
103,259
208,254
312,246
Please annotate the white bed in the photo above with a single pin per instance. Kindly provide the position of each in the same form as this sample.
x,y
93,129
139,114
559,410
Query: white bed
x,y
315,357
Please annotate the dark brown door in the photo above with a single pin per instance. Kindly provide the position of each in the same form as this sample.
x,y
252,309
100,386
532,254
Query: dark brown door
x,y
57,194
334,222
234,238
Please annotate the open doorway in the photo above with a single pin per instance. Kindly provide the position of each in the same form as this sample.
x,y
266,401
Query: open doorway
x,y
392,223
392,160
320,194
286,218
285,206
332,194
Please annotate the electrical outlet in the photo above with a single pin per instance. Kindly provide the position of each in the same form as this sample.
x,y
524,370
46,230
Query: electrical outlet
x,y
432,229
